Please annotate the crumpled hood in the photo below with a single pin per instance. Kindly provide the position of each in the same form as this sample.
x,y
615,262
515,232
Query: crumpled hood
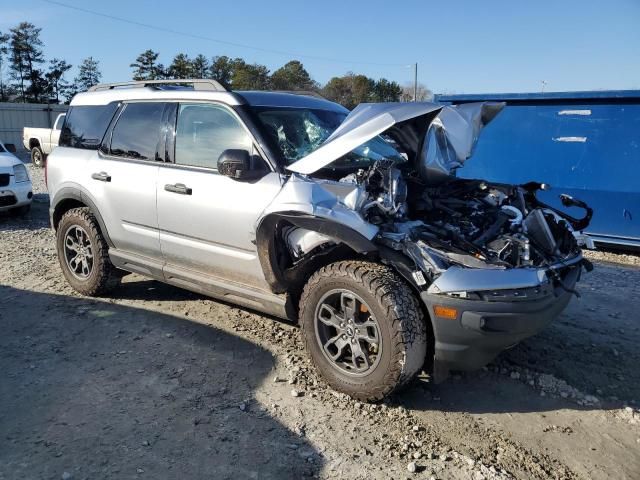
x,y
452,137
437,138
365,122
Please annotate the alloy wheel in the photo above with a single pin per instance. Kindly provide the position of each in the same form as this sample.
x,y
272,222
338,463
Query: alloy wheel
x,y
78,253
348,333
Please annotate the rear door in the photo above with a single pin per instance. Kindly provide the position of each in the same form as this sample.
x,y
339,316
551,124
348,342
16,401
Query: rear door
x,y
207,220
123,177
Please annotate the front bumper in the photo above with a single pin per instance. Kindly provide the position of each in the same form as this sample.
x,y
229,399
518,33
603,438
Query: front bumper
x,y
15,195
493,320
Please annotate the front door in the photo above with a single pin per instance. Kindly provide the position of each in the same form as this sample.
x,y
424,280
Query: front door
x,y
207,220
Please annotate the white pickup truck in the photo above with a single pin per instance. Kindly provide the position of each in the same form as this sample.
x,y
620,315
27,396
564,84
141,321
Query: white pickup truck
x,y
40,141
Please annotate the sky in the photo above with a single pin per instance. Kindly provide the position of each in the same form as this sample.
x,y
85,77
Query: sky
x,y
460,46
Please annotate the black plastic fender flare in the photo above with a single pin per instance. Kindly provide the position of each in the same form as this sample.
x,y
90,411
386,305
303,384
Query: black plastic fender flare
x,y
82,196
267,253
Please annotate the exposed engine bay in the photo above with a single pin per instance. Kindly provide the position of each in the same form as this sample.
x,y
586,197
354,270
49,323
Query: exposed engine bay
x,y
470,223
411,204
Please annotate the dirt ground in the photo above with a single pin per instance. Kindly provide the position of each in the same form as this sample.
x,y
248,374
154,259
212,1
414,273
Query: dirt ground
x,y
155,382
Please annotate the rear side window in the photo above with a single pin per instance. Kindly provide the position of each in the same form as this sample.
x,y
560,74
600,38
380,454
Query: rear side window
x,y
137,131
85,126
204,131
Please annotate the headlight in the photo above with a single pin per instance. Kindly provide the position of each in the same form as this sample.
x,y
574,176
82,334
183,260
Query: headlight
x,y
20,172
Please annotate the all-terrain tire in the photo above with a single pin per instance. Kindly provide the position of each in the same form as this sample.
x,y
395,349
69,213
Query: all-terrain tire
x,y
103,276
37,157
398,314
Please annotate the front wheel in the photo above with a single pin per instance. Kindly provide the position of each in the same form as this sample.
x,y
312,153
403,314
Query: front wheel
x,y
363,328
37,157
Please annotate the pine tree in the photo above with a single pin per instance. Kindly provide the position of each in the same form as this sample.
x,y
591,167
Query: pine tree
x,y
200,66
145,66
88,75
26,55
292,76
181,67
4,51
56,83
222,69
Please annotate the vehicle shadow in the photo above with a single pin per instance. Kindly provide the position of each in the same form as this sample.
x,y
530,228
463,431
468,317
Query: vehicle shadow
x,y
102,390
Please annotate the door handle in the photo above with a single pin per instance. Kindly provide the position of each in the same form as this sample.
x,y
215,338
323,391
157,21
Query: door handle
x,y
101,176
180,188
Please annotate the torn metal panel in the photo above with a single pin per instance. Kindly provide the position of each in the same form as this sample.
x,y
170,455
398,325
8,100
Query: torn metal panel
x,y
328,200
452,137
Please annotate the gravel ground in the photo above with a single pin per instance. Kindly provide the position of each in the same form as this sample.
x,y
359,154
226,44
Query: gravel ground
x,y
156,382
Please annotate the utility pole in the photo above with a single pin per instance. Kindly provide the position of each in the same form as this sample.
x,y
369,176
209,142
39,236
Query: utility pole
x,y
415,82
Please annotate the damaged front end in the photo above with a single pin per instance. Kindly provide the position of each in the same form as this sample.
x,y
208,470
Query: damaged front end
x,y
488,258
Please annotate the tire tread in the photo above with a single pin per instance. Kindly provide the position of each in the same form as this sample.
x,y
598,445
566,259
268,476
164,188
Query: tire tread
x,y
405,316
106,277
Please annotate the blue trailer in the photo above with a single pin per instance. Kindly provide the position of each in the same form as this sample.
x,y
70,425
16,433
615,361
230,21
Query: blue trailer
x,y
586,144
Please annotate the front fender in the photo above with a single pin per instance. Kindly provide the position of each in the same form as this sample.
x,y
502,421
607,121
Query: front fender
x,y
313,205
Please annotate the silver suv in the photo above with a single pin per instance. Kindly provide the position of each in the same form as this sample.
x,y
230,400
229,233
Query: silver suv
x,y
351,223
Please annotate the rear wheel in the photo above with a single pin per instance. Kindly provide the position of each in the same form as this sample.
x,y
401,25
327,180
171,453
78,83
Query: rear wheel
x,y
363,328
37,157
83,253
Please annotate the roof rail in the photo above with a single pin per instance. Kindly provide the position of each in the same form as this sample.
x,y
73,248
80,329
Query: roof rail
x,y
198,84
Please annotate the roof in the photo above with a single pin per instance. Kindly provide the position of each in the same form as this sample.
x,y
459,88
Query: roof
x,y
551,97
292,100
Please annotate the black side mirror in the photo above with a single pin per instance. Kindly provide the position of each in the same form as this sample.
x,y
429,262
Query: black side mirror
x,y
238,164
10,147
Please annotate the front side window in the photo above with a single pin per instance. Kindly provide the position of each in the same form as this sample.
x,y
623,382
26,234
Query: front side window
x,y
137,131
204,131
85,125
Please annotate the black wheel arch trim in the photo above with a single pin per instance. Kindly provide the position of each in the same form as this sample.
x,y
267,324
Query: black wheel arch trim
x,y
266,237
82,196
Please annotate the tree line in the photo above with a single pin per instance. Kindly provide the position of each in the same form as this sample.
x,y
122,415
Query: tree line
x,y
32,79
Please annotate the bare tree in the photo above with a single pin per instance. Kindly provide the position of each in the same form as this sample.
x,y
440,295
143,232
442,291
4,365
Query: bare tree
x,y
424,94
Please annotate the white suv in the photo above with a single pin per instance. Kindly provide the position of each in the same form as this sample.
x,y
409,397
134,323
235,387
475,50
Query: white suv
x,y
351,223
15,185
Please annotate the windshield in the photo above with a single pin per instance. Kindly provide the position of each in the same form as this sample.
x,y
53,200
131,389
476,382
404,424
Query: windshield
x,y
299,131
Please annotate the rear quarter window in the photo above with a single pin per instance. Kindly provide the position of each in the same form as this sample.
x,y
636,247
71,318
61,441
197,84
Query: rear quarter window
x,y
85,125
